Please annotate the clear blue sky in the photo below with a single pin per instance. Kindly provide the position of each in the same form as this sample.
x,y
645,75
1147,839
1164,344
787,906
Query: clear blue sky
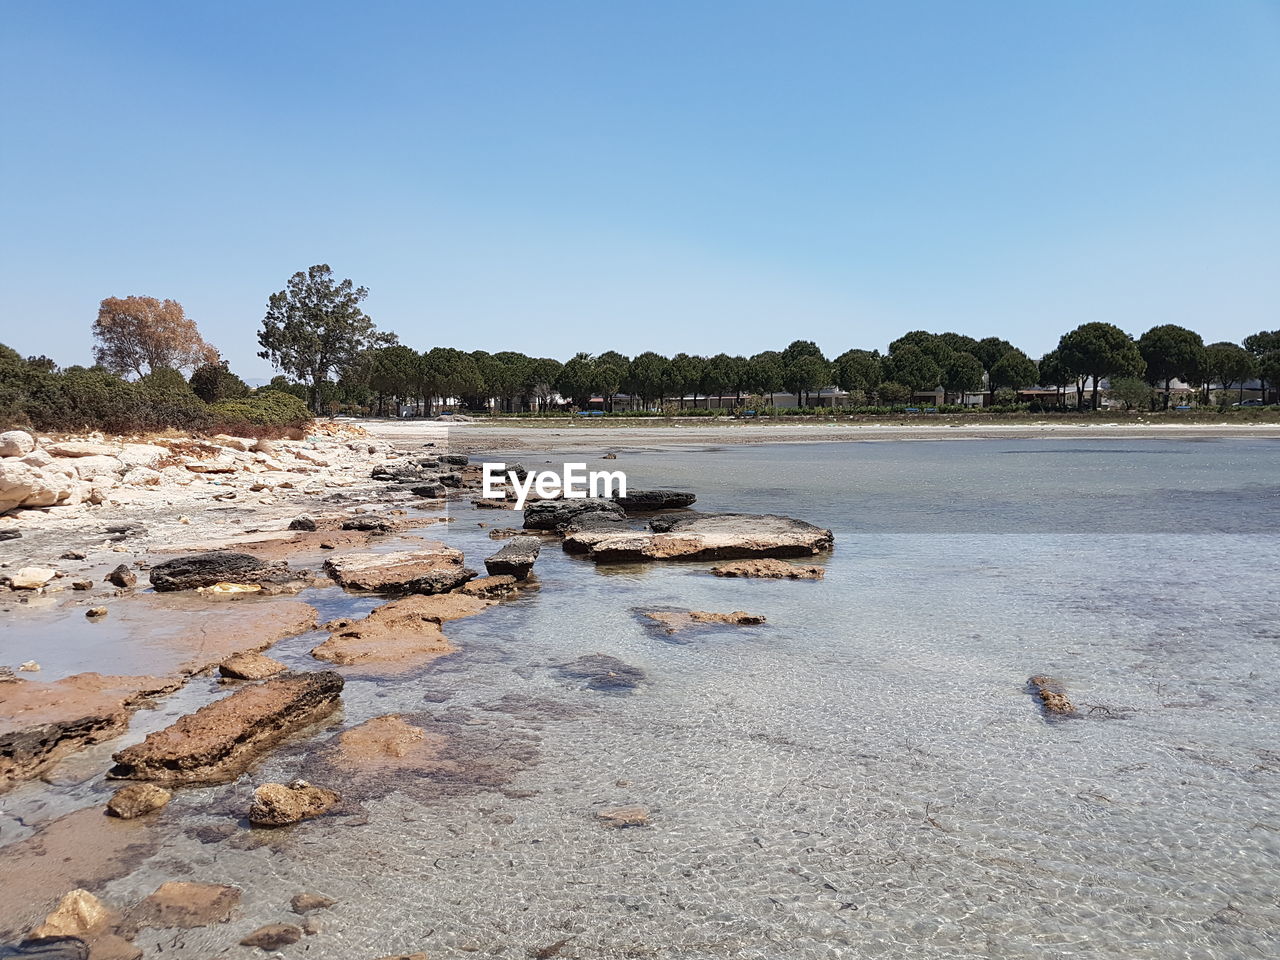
x,y
554,176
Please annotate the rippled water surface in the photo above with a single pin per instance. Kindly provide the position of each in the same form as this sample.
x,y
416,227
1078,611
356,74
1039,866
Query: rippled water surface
x,y
865,775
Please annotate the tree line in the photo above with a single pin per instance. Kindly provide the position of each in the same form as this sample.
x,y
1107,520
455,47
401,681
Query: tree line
x,y
316,332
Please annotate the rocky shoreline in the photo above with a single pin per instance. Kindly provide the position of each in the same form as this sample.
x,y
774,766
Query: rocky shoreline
x,y
214,540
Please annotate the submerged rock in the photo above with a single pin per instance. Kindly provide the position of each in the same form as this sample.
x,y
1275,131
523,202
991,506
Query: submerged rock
x,y
516,557
217,741
433,568
278,804
306,902
187,905
769,569
650,500
673,621
402,631
137,799
273,936
619,817
213,568
603,672
1053,698
558,514
721,536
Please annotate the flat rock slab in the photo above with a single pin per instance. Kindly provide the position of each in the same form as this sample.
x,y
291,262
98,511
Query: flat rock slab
x,y
641,501
558,514
187,905
434,568
724,536
770,569
220,739
674,621
404,632
208,569
42,722
250,666
516,558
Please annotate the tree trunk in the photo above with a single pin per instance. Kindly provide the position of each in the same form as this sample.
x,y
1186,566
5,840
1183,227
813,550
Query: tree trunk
x,y
1096,378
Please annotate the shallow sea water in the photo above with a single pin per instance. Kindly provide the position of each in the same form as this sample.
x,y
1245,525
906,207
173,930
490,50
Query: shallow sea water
x,y
865,775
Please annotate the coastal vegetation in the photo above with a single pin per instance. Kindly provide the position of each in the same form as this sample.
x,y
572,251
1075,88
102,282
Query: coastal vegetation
x,y
154,370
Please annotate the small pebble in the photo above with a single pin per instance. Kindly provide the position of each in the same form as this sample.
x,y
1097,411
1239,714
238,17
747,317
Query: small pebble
x,y
96,613
30,666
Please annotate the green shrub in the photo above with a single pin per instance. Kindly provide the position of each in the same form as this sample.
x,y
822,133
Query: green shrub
x,y
262,408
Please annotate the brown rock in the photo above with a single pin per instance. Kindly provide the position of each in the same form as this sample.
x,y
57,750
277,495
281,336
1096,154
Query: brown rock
x,y
769,569
78,914
187,905
673,621
250,666
278,804
1053,699
435,568
81,584
273,936
42,722
403,631
306,902
619,817
490,588
217,741
96,613
137,799
122,577
384,744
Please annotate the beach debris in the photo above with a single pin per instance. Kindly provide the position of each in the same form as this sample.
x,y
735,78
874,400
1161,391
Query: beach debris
x,y
31,578
641,501
621,817
769,569
215,567
1052,696
722,536
217,741
603,672
674,621
278,804
432,568
185,905
306,902
405,630
516,557
137,799
250,666
122,577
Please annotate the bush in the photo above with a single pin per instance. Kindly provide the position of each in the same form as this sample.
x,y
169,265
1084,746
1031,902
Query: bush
x,y
262,408
214,383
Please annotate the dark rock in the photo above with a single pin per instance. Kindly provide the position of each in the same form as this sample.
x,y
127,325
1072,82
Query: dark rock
x,y
217,741
516,557
455,459
73,555
306,524
51,948
558,514
647,500
603,672
429,491
10,533
122,577
206,569
453,480
368,522
82,585
122,531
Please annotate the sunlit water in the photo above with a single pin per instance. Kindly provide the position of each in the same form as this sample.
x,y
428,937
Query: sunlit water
x,y
864,776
